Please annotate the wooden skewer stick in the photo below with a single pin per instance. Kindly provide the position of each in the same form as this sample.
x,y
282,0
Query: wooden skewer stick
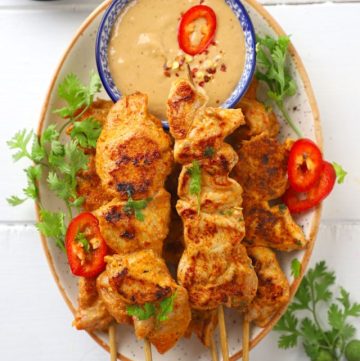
x,y
223,335
214,354
112,342
245,339
147,349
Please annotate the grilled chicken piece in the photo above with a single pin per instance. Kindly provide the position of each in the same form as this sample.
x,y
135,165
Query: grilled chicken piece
x,y
273,291
142,277
113,302
271,226
166,333
88,182
91,314
258,119
98,110
133,155
124,233
89,187
262,167
203,324
214,268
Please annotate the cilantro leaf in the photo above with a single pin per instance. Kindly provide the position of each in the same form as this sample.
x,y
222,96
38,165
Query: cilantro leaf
x,y
302,296
335,317
166,307
20,142
38,152
295,267
309,330
135,207
15,200
74,159
77,95
33,174
81,238
288,341
195,180
49,134
287,322
59,187
86,132
271,58
209,152
52,224
141,312
340,172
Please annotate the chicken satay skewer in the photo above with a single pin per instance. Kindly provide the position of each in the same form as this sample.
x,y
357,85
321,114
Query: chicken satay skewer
x,y
222,267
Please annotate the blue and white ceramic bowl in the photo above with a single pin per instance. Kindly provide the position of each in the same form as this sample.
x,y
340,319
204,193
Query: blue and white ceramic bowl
x,y
104,33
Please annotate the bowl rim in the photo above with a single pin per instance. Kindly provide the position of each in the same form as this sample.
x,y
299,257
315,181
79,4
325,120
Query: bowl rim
x,y
315,224
231,101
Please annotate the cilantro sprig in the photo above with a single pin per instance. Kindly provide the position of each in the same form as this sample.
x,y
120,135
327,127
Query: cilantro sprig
x,y
296,268
271,59
159,310
136,207
195,181
56,160
319,342
341,173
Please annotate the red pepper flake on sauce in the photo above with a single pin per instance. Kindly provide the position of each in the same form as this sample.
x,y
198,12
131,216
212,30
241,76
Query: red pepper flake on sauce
x,y
223,68
202,83
211,70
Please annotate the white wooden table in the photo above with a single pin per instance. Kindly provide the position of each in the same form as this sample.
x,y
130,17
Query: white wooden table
x,y
35,324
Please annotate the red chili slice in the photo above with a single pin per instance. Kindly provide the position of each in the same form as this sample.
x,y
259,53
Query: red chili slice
x,y
301,202
305,165
85,246
187,27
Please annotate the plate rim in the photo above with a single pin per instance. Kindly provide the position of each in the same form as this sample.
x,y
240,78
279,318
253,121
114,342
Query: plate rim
x,y
315,224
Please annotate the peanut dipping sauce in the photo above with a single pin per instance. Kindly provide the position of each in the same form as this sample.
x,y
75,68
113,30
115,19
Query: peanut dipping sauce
x,y
144,54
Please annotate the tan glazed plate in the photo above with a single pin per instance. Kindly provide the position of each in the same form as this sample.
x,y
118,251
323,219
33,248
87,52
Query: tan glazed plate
x,y
79,58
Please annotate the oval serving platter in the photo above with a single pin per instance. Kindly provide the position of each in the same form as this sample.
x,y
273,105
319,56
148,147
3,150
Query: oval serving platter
x,y
79,58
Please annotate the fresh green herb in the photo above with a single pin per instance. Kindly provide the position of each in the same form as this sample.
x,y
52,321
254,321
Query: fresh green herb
x,y
77,95
161,310
340,173
141,312
166,307
81,238
20,142
295,268
271,60
59,162
320,343
227,212
52,224
86,132
209,152
136,207
15,200
195,181
282,207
